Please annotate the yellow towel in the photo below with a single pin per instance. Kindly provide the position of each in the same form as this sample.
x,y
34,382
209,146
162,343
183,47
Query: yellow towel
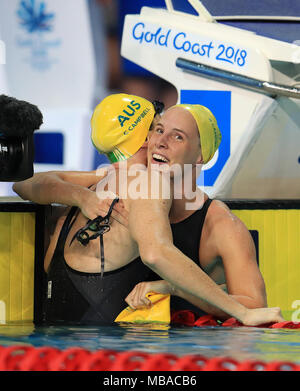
x,y
158,312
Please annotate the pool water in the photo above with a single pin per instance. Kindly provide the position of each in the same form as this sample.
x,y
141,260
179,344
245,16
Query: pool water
x,y
241,343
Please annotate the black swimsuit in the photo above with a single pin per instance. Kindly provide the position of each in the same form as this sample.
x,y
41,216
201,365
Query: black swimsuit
x,y
87,298
186,237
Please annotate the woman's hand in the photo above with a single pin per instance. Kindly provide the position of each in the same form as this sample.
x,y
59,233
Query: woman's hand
x,y
92,205
137,297
258,316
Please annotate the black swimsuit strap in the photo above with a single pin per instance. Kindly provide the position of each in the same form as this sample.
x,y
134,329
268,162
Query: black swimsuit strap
x,y
204,210
66,229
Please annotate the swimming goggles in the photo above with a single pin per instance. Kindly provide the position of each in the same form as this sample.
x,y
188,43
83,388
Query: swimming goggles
x,y
100,225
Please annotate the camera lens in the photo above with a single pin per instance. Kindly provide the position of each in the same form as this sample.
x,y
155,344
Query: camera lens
x,y
11,152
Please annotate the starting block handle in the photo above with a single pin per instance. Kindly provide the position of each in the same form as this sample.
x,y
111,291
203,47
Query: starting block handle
x,y
240,80
198,7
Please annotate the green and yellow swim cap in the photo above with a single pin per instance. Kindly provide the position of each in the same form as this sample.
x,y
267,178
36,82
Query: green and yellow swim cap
x,y
210,135
120,124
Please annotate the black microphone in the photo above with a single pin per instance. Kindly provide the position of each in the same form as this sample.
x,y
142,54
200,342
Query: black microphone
x,y
18,121
18,118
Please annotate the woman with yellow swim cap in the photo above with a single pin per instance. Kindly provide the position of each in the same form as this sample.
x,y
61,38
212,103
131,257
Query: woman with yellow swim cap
x,y
190,134
91,298
120,125
121,122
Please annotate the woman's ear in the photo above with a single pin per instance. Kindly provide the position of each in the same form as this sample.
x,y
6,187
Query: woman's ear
x,y
200,159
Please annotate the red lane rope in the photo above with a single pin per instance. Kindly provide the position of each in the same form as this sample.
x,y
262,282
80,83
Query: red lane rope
x,y
189,318
29,358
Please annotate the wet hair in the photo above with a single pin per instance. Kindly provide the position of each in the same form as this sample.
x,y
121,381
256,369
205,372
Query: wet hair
x,y
158,108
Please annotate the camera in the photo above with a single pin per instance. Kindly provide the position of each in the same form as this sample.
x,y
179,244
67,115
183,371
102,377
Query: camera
x,y
18,121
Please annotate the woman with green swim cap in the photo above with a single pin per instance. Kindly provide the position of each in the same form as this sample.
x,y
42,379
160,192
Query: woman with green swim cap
x,y
148,234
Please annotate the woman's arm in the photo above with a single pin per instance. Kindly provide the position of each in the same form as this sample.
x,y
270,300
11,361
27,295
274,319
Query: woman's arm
x,y
150,228
64,187
55,186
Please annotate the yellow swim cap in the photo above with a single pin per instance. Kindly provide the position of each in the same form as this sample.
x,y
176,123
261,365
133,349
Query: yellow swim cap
x,y
210,135
120,125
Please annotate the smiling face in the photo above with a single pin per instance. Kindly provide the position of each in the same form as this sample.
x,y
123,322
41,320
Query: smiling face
x,y
140,157
175,139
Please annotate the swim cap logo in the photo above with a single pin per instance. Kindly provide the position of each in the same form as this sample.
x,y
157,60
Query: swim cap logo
x,y
129,112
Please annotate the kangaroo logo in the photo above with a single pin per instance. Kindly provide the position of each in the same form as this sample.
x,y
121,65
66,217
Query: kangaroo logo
x,y
129,112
